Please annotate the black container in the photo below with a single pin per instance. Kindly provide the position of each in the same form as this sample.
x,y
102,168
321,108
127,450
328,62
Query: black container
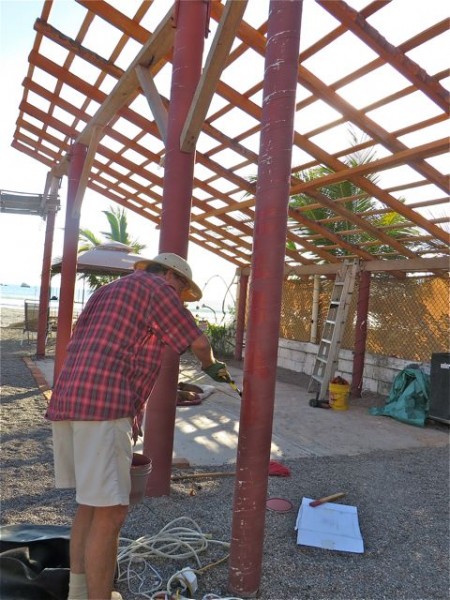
x,y
440,387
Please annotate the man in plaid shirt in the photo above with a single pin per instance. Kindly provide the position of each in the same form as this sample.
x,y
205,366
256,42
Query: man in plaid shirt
x,y
112,363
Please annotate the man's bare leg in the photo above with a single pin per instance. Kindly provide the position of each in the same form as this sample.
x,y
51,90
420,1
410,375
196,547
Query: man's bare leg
x,y
78,536
80,530
100,556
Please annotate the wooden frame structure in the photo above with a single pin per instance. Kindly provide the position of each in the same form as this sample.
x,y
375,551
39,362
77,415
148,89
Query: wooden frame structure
x,y
105,84
96,108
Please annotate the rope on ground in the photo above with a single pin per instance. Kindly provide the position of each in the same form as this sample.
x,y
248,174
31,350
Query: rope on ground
x,y
172,542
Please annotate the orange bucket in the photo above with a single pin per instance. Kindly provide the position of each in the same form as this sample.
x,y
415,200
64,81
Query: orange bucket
x,y
339,394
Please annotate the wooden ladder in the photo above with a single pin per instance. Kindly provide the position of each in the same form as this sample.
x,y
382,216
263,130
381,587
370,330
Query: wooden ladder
x,y
327,357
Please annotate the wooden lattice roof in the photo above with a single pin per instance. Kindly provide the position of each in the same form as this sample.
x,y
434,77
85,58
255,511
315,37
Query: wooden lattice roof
x,y
377,69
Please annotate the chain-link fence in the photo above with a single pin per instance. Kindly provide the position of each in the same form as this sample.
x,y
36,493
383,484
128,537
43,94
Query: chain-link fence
x,y
408,318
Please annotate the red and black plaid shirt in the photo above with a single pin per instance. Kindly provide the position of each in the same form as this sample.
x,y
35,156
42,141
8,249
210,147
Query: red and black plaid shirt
x,y
114,355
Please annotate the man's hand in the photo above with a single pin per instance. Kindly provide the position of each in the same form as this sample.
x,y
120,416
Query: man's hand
x,y
218,371
136,434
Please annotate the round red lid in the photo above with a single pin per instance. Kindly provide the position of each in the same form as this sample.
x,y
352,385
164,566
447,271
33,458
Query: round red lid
x,y
279,504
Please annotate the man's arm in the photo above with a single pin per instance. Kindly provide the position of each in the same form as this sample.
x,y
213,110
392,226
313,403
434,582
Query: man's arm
x,y
201,347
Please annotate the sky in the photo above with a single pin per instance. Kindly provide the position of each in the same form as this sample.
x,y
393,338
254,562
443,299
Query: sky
x,y
22,236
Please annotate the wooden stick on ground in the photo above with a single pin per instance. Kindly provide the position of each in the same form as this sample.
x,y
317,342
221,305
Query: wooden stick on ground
x,y
212,475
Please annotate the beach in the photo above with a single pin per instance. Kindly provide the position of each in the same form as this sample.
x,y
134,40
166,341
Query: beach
x,y
401,497
11,317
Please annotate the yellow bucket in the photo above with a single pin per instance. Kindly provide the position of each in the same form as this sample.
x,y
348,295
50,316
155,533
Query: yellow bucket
x,y
339,394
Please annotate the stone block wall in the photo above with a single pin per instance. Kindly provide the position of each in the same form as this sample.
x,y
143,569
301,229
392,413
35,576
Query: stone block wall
x,y
379,371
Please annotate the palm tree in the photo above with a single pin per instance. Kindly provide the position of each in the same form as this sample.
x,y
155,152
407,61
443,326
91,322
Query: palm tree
x,y
359,202
118,233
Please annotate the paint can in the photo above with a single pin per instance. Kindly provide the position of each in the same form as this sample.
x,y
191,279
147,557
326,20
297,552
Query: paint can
x,y
339,394
141,467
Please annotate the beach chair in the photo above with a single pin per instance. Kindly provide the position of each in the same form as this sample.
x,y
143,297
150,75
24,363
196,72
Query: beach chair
x,y
31,320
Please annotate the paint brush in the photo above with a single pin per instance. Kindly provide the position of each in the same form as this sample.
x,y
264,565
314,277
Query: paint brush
x,y
320,501
234,387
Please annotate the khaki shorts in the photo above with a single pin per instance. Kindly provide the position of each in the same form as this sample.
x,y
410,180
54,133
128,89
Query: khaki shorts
x,y
94,457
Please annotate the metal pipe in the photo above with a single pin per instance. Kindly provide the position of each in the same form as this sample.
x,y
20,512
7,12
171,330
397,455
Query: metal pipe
x,y
260,365
69,260
191,22
362,311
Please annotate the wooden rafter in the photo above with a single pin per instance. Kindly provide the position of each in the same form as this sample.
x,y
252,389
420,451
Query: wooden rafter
x,y
355,22
223,199
215,62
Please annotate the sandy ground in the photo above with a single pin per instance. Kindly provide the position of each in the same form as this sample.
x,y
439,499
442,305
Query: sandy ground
x,y
11,317
402,499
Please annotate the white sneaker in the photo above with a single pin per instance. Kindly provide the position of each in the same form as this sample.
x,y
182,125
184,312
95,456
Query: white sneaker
x,y
116,596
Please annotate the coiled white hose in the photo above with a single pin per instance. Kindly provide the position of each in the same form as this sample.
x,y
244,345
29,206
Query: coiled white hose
x,y
173,542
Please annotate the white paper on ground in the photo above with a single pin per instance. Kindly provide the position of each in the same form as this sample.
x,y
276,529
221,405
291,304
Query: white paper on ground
x,y
330,526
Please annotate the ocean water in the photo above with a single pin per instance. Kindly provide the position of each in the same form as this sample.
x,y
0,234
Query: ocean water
x,y
14,296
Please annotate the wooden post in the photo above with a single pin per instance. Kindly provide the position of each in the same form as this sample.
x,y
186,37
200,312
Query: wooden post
x,y
45,284
240,317
362,311
69,261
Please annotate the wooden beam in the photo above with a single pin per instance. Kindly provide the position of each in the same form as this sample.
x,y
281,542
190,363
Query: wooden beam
x,y
109,154
424,265
85,173
407,265
370,127
408,45
388,162
76,48
61,168
347,174
50,199
327,39
117,19
327,93
216,60
353,21
154,100
151,53
57,101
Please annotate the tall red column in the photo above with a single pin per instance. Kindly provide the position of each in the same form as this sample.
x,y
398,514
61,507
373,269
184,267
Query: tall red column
x,y
362,311
240,318
69,261
45,284
191,23
272,197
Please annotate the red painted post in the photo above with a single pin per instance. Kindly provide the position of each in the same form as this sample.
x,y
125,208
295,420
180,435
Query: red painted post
x,y
240,317
69,261
44,293
191,24
362,310
272,196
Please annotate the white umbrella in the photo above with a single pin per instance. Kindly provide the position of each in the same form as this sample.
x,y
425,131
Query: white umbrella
x,y
111,258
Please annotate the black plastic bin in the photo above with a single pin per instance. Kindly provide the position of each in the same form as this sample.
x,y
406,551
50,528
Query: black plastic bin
x,y
440,387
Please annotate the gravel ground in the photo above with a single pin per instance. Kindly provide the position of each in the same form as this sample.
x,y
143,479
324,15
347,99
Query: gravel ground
x,y
402,499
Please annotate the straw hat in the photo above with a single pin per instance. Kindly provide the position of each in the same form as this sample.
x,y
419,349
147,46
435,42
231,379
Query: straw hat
x,y
178,265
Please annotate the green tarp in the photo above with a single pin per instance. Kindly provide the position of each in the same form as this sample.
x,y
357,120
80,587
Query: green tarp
x,y
409,398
